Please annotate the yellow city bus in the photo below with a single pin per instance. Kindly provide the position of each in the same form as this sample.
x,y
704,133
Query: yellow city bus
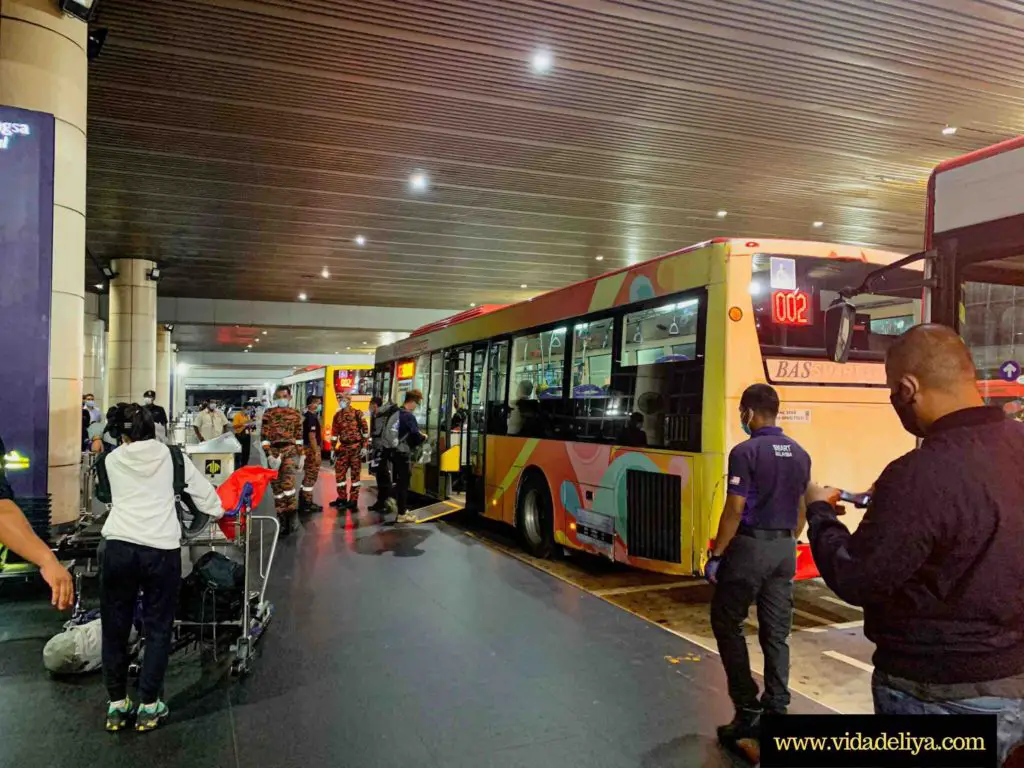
x,y
328,382
600,416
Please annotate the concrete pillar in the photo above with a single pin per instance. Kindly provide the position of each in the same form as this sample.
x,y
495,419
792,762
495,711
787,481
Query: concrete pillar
x,y
164,351
172,400
131,352
43,67
94,356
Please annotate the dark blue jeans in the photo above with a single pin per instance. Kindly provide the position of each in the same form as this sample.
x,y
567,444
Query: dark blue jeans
x,y
1009,713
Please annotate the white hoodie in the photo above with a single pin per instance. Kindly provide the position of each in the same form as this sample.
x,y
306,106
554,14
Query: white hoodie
x,y
142,488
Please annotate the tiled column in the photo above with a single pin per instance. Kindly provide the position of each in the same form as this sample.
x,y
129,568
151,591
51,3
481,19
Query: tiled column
x,y
163,367
95,353
43,67
131,354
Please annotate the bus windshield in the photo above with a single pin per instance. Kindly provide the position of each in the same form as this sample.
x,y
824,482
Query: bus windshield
x,y
791,294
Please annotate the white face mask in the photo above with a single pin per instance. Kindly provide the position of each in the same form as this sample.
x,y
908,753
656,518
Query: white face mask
x,y
147,400
212,406
343,404
90,403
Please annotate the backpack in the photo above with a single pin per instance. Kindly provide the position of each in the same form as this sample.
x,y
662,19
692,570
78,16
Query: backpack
x,y
213,591
388,430
184,505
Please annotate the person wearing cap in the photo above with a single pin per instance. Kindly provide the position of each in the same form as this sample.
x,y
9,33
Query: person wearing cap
x,y
156,411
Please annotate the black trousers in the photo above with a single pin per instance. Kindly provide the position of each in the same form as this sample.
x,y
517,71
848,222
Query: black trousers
x,y
383,474
400,466
761,572
125,569
242,459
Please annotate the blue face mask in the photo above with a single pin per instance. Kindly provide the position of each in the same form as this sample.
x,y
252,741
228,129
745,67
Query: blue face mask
x,y
746,427
281,402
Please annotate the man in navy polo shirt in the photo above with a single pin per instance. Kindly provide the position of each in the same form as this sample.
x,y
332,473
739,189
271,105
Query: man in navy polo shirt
x,y
754,559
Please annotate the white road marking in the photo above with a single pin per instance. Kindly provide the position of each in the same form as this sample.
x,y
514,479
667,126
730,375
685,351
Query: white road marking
x,y
837,601
812,617
611,591
848,660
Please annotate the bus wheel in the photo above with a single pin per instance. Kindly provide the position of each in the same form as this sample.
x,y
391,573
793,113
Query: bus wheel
x,y
535,517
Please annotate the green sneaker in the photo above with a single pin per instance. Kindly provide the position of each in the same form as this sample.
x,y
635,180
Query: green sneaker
x,y
149,716
118,714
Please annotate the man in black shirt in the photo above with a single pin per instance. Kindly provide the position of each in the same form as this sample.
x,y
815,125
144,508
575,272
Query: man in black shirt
x,y
156,411
312,442
936,561
754,559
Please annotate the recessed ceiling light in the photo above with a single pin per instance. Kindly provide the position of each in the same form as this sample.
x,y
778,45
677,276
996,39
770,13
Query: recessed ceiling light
x,y
542,61
249,346
348,347
472,303
949,130
257,340
360,240
302,297
722,214
99,286
818,224
246,349
599,258
418,181
264,333
325,273
524,286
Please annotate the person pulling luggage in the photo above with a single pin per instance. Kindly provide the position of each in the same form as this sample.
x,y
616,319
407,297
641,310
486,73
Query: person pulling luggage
x,y
383,441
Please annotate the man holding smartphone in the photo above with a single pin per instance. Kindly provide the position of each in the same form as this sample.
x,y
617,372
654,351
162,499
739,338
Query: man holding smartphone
x,y
753,560
936,562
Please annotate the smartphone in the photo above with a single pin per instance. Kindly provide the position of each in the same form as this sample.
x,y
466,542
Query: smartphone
x,y
859,500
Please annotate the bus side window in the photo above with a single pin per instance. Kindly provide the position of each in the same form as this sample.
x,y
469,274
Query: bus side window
x,y
591,372
660,376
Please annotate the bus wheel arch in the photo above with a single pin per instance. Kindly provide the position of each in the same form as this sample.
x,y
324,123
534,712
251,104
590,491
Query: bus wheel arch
x,y
535,514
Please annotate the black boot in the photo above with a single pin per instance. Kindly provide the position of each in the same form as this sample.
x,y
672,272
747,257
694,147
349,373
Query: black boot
x,y
745,725
285,530
338,503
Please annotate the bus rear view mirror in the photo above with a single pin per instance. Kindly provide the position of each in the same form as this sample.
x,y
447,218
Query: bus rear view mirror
x,y
839,320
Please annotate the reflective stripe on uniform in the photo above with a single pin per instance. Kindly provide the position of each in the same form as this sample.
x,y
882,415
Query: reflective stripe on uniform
x,y
308,489
278,495
356,484
292,492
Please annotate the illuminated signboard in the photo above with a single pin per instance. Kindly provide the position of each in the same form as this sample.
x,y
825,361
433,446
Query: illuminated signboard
x,y
26,264
791,308
407,370
344,381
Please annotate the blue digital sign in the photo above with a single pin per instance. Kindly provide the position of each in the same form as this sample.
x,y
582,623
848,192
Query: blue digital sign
x,y
26,270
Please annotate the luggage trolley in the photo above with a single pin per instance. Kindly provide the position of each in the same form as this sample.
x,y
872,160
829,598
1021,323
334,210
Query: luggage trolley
x,y
257,563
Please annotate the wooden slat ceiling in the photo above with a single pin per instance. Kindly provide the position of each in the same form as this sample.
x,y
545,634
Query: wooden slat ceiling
x,y
234,338
246,144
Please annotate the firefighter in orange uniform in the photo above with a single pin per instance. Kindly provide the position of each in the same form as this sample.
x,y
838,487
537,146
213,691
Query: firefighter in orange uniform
x,y
349,430
281,437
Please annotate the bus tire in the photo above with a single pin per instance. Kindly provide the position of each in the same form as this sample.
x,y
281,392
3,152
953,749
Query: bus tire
x,y
535,518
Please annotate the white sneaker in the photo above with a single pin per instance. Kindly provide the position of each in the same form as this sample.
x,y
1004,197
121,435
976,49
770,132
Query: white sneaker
x,y
406,518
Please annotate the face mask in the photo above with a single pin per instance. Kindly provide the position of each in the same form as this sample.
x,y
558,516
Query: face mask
x,y
90,403
281,402
746,426
343,404
212,406
318,409
147,400
905,410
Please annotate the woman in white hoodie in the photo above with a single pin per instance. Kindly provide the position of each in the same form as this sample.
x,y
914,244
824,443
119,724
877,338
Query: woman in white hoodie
x,y
142,550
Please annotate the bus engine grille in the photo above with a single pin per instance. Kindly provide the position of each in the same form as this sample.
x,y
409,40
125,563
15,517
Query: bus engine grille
x,y
654,515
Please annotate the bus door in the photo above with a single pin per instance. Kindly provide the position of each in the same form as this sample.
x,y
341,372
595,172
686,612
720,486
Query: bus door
x,y
477,427
454,449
